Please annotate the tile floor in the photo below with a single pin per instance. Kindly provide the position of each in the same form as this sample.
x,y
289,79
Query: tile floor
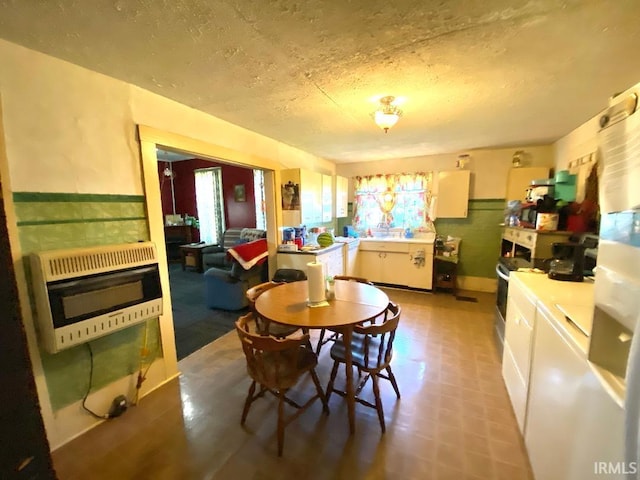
x,y
454,420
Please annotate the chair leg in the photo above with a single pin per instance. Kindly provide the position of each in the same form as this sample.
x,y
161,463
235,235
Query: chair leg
x,y
247,402
281,423
334,372
323,399
376,393
392,378
320,341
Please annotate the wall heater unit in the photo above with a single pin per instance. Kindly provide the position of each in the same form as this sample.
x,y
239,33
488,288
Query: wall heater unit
x,y
85,293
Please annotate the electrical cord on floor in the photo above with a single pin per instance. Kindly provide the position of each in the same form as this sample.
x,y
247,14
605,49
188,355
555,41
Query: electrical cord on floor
x,y
84,400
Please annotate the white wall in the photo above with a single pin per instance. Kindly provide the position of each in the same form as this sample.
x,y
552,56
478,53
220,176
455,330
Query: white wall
x,y
71,130
578,143
489,167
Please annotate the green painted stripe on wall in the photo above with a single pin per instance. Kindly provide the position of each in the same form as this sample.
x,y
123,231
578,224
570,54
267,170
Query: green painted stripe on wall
x,y
81,220
74,197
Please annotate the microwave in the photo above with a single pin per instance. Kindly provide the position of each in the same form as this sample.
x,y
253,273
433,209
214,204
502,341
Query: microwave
x,y
528,215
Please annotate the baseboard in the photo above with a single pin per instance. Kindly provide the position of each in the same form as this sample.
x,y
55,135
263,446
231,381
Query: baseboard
x,y
478,284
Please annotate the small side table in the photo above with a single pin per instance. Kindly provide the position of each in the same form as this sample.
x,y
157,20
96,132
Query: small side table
x,y
445,272
191,256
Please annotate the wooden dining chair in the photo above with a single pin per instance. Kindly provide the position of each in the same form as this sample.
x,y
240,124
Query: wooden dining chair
x,y
371,350
333,335
264,326
276,365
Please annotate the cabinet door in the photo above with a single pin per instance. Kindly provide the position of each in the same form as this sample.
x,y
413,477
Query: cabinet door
x,y
518,345
520,178
351,266
335,265
453,194
370,265
311,196
418,274
394,267
327,198
341,196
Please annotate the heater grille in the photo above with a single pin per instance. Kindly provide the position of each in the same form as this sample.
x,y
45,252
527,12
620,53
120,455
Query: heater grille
x,y
75,334
64,264
82,294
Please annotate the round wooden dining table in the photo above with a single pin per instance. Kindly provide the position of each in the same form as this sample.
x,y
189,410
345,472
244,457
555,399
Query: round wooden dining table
x,y
353,303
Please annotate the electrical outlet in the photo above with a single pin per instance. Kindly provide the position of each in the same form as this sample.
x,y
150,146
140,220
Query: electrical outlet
x,y
118,406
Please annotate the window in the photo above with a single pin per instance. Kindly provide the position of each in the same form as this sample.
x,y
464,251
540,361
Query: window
x,y
258,193
209,202
397,200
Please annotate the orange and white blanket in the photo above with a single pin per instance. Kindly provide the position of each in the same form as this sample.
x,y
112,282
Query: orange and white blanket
x,y
250,254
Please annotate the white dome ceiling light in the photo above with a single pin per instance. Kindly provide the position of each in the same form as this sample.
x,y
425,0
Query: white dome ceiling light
x,y
387,114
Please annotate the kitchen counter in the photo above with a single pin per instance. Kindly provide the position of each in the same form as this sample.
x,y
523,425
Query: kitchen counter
x,y
398,239
557,298
319,251
332,256
534,230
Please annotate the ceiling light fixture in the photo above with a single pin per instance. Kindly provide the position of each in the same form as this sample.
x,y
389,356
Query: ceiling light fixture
x,y
387,114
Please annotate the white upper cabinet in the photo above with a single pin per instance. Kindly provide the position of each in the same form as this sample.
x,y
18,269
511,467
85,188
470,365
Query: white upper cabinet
x,y
327,198
342,186
520,179
301,197
453,194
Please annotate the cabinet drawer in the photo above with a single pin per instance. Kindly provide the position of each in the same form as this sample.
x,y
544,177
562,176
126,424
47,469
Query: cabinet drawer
x,y
509,234
519,336
516,387
399,247
521,299
527,239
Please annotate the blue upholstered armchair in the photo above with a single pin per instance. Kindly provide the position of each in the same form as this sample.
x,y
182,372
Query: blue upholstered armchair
x,y
226,288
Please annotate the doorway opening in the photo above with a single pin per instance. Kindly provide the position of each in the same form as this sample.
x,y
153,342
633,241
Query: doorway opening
x,y
191,324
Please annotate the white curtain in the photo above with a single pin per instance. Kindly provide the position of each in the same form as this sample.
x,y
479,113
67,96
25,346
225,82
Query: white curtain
x,y
258,192
209,202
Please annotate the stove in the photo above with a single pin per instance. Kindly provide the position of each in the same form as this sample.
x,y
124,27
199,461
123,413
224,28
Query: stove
x,y
503,268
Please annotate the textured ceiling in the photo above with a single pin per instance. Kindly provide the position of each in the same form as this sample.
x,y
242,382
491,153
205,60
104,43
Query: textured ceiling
x,y
472,73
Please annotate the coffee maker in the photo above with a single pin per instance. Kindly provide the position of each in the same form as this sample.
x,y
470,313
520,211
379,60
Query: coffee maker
x,y
568,262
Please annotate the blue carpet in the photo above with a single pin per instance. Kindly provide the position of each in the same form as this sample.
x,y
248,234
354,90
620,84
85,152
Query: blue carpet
x,y
195,325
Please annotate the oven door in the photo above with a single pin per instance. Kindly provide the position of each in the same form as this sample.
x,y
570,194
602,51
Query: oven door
x,y
502,271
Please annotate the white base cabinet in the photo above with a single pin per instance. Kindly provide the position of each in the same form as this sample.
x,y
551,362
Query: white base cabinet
x,y
518,346
332,257
572,428
407,264
572,423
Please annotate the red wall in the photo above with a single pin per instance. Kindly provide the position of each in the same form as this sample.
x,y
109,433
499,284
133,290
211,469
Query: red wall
x,y
237,214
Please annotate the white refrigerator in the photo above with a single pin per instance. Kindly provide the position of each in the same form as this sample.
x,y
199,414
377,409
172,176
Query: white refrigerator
x,y
614,350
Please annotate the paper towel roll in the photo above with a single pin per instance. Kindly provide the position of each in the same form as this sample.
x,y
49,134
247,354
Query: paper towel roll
x,y
315,279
